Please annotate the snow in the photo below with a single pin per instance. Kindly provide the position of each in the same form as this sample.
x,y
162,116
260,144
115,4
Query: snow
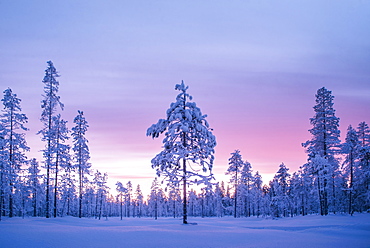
x,y
301,231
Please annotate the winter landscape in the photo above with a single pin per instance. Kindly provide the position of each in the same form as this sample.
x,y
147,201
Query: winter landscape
x,y
179,124
307,231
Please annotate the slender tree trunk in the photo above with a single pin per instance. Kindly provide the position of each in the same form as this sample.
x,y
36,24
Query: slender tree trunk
x,y
121,206
320,195
156,206
48,161
56,187
236,191
101,204
12,169
80,193
34,199
1,194
350,211
185,216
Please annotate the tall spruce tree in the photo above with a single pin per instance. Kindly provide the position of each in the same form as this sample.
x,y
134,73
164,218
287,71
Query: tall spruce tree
x,y
235,166
350,149
13,145
188,144
325,144
49,107
81,154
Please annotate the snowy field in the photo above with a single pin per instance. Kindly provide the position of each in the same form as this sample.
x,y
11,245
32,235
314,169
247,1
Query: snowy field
x,y
309,231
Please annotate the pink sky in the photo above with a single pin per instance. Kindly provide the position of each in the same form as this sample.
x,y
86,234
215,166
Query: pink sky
x,y
252,66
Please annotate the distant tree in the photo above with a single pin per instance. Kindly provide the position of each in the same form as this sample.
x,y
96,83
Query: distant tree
x,y
219,195
81,153
49,106
324,143
13,144
189,139
235,166
153,200
363,172
68,190
100,182
246,181
3,168
282,187
34,184
351,149
121,192
128,198
61,152
257,192
139,201
174,199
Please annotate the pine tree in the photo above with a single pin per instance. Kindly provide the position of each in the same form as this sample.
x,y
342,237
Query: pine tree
x,y
3,168
282,178
235,165
34,184
257,192
153,200
363,173
128,198
13,144
81,154
61,152
351,149
246,180
100,181
121,192
324,144
49,105
187,138
139,201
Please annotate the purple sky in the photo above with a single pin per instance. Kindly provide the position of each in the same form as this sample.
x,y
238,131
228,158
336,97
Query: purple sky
x,y
253,66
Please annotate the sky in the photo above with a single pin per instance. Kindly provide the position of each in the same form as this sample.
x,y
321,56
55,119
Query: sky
x,y
252,66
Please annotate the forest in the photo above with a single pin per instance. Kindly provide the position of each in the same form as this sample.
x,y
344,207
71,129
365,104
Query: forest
x,y
335,179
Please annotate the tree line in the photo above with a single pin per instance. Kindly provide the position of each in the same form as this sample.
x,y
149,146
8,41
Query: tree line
x,y
335,179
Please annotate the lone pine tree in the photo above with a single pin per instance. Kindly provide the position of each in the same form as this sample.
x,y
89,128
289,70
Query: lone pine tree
x,y
189,144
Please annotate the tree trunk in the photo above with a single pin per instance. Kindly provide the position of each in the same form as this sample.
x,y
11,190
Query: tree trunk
x,y
185,216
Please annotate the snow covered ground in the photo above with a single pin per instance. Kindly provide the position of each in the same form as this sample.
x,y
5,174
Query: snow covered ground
x,y
309,231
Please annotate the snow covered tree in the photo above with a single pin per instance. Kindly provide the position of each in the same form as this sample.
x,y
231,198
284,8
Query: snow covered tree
x,y
139,202
3,168
246,181
351,149
363,172
49,106
188,139
13,144
100,181
257,192
128,198
282,187
153,199
34,184
235,165
61,152
121,192
81,153
325,141
174,199
68,190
